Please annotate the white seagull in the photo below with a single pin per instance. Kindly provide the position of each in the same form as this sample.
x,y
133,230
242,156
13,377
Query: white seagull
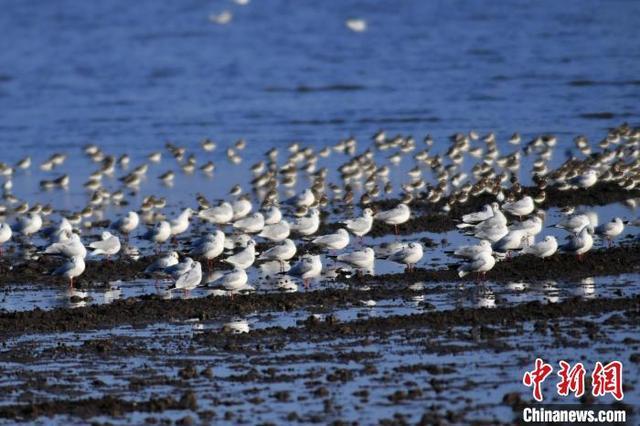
x,y
109,245
335,241
409,255
72,268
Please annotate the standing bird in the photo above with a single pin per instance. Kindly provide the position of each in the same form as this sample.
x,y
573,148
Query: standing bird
x,y
159,234
543,249
72,268
408,255
109,245
181,223
281,252
209,247
336,241
307,225
396,216
71,247
362,225
162,263
579,243
481,264
610,230
5,235
127,224
276,232
190,279
29,224
521,207
363,259
307,268
245,258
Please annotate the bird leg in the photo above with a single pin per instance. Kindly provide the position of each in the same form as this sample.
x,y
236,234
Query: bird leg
x,y
70,282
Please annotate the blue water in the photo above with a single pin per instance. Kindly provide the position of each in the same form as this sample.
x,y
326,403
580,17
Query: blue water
x,y
131,75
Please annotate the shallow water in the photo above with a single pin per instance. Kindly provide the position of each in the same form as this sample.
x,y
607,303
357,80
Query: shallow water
x,y
130,79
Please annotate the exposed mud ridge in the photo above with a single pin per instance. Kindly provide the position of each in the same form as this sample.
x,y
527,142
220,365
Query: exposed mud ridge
x,y
610,261
503,316
429,217
87,408
97,271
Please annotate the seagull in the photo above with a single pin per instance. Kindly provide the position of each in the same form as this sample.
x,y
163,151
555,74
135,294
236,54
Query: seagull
x,y
109,245
356,25
305,199
219,215
543,249
276,232
233,281
468,252
245,258
29,224
181,268
522,207
250,224
62,231
409,255
162,263
209,247
5,235
307,225
363,259
72,268
272,215
585,180
481,264
281,252
336,241
190,279
160,233
514,240
181,223
127,224
362,225
307,268
579,243
71,247
479,216
241,208
610,230
531,226
573,223
396,216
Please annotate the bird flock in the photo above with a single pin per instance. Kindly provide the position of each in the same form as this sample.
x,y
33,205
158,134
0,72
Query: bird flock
x,y
270,224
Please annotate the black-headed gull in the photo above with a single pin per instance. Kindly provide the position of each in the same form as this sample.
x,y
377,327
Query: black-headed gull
x,y
127,224
109,245
579,243
307,225
276,232
610,230
71,247
5,235
307,268
396,216
335,241
245,258
209,247
543,249
480,264
409,255
360,226
363,259
162,263
250,224
72,268
219,215
521,207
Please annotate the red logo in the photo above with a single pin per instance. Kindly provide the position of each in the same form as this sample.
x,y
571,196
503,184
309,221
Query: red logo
x,y
606,379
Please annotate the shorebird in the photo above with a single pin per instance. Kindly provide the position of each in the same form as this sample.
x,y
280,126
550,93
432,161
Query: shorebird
x,y
396,216
209,247
610,230
127,224
276,232
480,264
5,234
363,259
409,255
70,247
162,263
335,241
245,258
72,268
307,268
281,252
579,243
109,245
362,225
543,249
